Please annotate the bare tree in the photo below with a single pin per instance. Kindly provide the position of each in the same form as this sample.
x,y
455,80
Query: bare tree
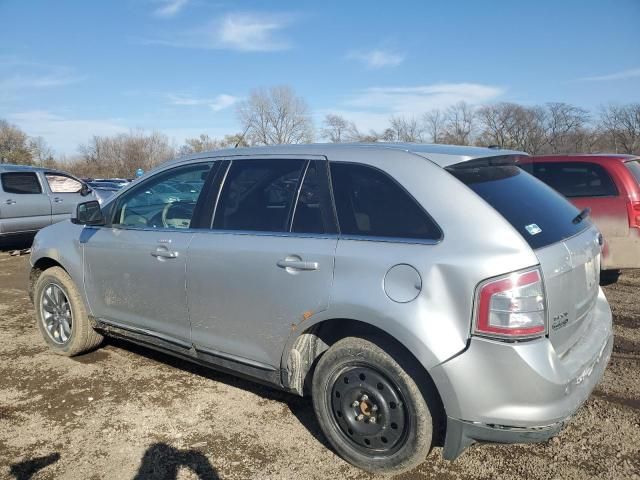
x,y
14,145
562,122
404,130
199,144
621,124
336,128
509,125
433,125
459,124
276,116
41,152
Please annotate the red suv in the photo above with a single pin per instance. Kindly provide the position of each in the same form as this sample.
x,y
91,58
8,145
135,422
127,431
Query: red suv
x,y
609,184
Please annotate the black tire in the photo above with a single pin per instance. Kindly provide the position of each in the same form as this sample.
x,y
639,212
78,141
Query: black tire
x,y
83,337
401,436
609,277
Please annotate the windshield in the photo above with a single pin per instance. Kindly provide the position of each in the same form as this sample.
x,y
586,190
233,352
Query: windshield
x,y
540,214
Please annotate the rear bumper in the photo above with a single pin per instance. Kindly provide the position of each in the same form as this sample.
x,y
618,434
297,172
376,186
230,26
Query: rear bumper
x,y
520,392
622,252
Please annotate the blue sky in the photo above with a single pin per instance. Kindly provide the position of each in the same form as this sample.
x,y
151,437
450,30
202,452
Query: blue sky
x,y
71,69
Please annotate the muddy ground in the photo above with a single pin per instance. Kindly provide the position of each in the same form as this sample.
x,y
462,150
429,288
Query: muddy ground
x,y
125,412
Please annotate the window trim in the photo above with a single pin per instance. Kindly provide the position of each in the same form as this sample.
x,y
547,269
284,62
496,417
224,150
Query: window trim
x,y
42,191
114,204
384,239
577,164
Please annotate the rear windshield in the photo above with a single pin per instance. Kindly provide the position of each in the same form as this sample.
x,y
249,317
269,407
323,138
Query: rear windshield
x,y
540,214
634,167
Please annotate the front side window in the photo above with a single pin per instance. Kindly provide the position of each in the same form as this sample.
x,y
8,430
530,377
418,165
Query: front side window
x,y
370,203
575,179
258,195
158,203
62,183
21,183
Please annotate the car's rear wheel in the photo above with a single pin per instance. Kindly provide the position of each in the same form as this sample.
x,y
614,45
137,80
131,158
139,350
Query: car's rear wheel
x,y
370,409
61,314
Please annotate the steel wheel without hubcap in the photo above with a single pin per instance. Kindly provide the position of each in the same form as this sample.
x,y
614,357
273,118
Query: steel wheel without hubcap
x,y
56,313
369,410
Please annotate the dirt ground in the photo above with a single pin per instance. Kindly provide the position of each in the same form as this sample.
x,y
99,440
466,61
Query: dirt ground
x,y
126,412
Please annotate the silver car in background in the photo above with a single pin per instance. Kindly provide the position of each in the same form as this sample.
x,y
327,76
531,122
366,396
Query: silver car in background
x,y
33,197
418,293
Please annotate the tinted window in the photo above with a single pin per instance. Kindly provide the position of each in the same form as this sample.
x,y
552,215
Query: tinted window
x,y
634,167
575,179
21,183
258,195
371,203
314,212
156,204
540,214
62,183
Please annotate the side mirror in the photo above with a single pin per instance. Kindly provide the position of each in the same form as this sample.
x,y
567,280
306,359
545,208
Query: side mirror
x,y
88,213
85,190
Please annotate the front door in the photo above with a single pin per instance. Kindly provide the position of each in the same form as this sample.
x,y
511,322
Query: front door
x,y
135,267
267,263
24,205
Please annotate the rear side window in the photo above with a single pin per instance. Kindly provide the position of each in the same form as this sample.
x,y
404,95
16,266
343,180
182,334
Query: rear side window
x,y
21,183
62,183
314,211
258,195
370,203
634,168
540,214
575,179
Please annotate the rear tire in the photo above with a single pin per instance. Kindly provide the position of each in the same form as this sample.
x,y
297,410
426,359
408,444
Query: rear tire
x,y
370,409
61,315
609,277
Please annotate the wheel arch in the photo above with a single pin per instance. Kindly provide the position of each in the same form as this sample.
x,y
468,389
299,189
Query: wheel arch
x,y
39,266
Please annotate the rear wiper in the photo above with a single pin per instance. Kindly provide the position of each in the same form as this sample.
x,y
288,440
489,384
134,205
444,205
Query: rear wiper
x,y
582,215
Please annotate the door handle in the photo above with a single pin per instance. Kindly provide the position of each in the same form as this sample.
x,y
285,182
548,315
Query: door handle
x,y
58,200
297,264
161,253
10,202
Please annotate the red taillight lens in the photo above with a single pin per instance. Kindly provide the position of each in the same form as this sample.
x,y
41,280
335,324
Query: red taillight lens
x,y
634,214
512,306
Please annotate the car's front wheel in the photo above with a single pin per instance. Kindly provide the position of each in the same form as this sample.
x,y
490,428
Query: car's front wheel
x,y
61,315
370,409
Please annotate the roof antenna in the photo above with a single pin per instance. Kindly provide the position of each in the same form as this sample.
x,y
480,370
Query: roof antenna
x,y
242,136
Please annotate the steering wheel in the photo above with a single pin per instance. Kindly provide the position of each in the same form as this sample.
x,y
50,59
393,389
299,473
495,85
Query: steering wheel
x,y
182,211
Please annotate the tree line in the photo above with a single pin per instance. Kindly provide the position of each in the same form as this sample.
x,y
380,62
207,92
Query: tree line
x,y
278,116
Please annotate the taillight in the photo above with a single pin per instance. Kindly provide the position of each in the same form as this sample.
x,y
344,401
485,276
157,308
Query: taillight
x,y
512,306
634,214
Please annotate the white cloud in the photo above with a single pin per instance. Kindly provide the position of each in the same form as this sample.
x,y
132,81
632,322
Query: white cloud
x,y
623,75
64,134
16,74
220,102
246,32
371,108
378,58
170,8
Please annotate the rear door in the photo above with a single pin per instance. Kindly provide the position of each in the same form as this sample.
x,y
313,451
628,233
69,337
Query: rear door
x,y
267,262
24,205
64,191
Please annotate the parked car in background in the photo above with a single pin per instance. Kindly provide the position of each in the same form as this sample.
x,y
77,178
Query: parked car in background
x,y
406,288
608,184
32,198
104,190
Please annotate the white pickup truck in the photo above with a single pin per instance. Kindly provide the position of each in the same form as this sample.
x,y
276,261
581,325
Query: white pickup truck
x,y
32,197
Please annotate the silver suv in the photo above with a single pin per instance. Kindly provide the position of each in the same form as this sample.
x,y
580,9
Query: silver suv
x,y
410,290
32,198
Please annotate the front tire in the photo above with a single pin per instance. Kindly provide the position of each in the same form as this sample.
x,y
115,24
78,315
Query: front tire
x,y
61,315
370,409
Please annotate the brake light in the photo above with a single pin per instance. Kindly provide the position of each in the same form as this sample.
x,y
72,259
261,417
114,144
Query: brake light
x,y
512,306
634,214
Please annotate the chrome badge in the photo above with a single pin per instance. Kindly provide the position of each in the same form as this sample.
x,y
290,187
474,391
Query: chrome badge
x,y
533,229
